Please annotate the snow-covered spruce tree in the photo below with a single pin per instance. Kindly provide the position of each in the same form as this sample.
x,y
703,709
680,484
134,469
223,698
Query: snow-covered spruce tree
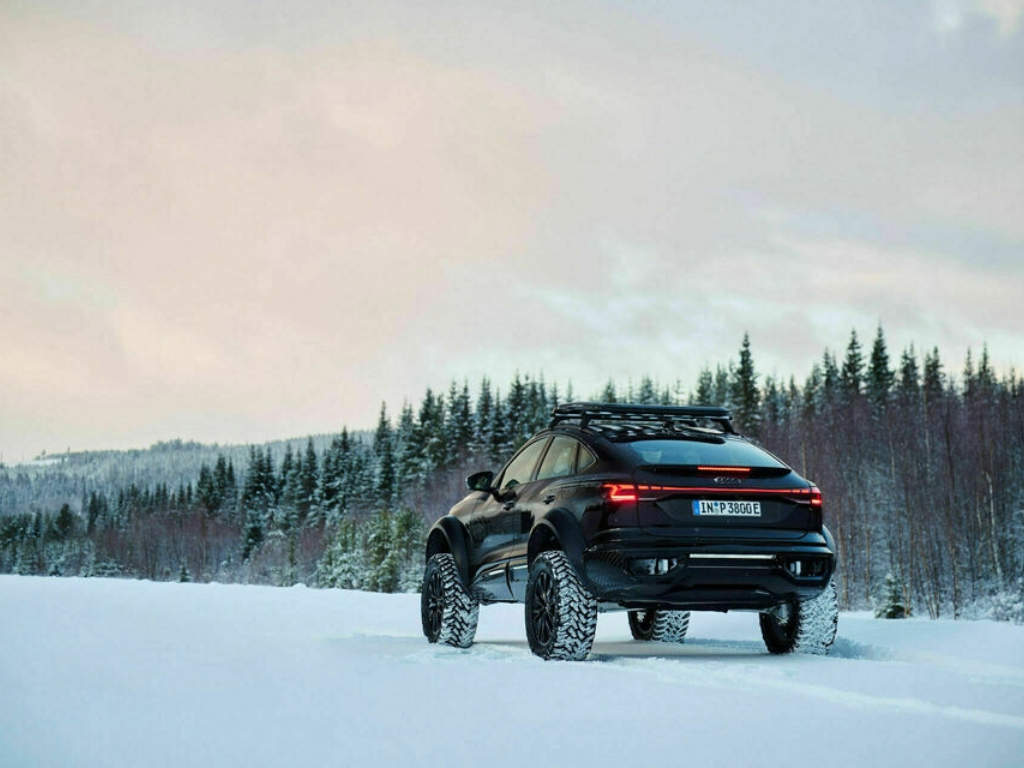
x,y
892,605
343,564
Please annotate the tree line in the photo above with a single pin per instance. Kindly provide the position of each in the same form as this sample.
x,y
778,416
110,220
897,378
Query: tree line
x,y
922,471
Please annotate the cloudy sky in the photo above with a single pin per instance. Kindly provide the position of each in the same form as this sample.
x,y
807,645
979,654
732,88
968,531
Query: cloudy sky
x,y
242,220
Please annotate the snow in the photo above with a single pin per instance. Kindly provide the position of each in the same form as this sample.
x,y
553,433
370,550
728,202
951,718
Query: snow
x,y
127,673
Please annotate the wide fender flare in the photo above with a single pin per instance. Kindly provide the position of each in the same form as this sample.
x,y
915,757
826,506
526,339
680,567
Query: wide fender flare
x,y
558,529
449,535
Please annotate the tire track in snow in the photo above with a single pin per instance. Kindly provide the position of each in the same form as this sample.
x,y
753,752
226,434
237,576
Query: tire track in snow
x,y
726,675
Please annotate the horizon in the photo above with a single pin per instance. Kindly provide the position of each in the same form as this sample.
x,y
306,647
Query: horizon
x,y
953,374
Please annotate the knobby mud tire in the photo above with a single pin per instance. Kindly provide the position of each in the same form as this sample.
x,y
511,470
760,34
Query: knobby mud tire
x,y
448,611
656,626
561,614
811,626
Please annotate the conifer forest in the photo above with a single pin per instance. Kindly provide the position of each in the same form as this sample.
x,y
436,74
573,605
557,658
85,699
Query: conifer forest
x,y
921,465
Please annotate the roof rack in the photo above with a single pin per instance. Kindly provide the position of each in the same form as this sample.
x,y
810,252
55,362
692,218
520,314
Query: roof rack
x,y
667,415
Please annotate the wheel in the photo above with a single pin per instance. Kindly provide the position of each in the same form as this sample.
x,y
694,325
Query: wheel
x,y
448,611
808,626
561,614
659,626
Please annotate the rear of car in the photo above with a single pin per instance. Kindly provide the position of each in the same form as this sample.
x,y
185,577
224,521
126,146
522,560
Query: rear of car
x,y
705,518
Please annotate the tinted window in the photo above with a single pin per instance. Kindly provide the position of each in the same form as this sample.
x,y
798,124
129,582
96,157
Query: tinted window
x,y
586,460
731,453
521,469
559,460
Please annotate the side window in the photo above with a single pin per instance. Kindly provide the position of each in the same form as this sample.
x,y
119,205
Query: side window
x,y
521,469
586,459
559,460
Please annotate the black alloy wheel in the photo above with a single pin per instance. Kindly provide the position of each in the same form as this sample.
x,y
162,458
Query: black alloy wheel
x,y
542,612
433,606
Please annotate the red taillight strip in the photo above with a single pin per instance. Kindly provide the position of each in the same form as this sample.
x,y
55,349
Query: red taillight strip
x,y
813,493
733,470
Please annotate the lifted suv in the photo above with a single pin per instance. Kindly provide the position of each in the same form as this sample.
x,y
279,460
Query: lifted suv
x,y
655,510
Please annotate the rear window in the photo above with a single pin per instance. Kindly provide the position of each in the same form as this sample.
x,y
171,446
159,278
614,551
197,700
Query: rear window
x,y
731,453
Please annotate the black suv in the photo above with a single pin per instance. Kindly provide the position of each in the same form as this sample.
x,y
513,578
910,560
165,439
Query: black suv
x,y
657,510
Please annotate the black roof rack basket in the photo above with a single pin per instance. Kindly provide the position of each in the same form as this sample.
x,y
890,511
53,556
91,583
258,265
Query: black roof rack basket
x,y
632,412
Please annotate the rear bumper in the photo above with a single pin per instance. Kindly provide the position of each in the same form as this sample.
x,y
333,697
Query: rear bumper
x,y
633,569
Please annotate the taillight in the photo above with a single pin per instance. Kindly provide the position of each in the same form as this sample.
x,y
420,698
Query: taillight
x,y
816,500
726,470
620,492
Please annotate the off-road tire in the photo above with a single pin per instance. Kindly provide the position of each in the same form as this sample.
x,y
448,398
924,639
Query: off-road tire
x,y
449,612
808,626
561,614
656,626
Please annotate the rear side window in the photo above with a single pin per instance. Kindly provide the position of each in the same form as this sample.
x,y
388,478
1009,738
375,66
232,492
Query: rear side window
x,y
586,459
559,460
520,470
730,453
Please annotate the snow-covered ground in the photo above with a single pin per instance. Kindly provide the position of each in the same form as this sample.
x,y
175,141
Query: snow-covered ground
x,y
126,673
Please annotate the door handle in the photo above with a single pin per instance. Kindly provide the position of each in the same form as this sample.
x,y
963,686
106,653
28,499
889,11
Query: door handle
x,y
550,497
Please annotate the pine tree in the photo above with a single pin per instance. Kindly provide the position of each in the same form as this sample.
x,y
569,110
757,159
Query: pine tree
x,y
334,491
722,392
647,395
500,445
745,394
483,419
880,376
258,500
431,433
986,379
385,456
705,388
969,379
286,512
773,404
830,382
608,393
207,492
853,368
892,605
459,432
934,379
909,384
408,450
516,412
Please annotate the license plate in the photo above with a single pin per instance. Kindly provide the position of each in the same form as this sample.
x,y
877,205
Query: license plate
x,y
702,508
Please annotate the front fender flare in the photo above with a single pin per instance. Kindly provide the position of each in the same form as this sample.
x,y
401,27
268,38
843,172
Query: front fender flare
x,y
449,535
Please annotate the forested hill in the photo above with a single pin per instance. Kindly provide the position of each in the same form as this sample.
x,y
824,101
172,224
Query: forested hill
x,y
50,481
922,470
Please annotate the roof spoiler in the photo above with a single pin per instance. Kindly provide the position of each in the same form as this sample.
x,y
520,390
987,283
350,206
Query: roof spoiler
x,y
633,412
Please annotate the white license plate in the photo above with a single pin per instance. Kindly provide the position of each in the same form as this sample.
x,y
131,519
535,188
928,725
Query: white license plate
x,y
702,508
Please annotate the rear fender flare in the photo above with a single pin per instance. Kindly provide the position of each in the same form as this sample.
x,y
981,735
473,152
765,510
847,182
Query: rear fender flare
x,y
559,529
449,535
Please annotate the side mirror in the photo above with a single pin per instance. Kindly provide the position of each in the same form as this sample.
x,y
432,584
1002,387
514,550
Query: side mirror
x,y
480,481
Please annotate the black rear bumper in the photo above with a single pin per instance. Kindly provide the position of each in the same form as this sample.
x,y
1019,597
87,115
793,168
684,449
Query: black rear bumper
x,y
634,569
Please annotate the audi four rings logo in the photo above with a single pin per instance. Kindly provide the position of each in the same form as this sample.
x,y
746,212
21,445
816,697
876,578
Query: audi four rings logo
x,y
727,480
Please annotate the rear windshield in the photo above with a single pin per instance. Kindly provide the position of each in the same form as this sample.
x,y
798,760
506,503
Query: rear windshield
x,y
731,453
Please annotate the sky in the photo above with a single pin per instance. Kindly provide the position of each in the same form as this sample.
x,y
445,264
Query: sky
x,y
239,221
